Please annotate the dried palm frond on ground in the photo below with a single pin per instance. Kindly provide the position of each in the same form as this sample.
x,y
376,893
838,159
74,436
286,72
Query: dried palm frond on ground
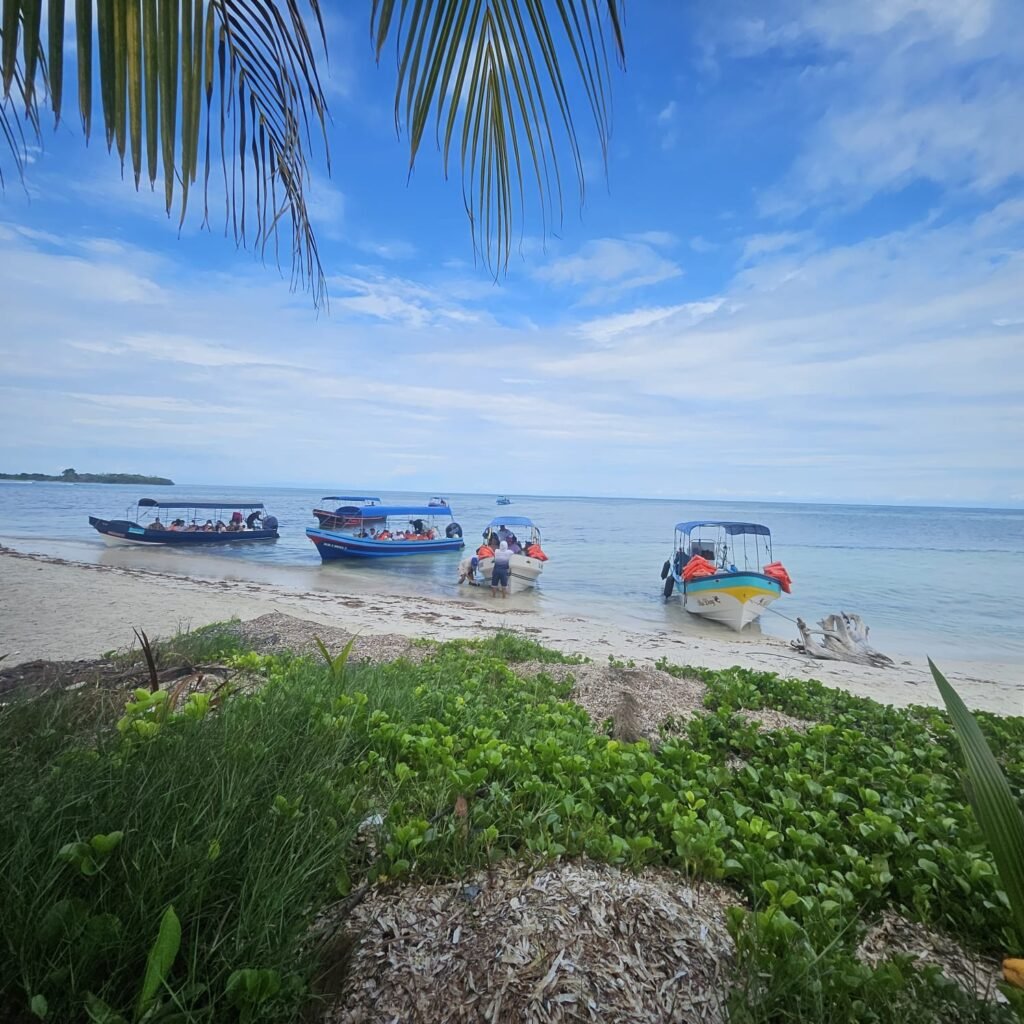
x,y
276,632
567,942
769,719
603,691
893,935
638,700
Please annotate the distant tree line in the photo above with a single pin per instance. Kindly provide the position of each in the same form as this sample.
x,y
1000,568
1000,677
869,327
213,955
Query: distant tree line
x,y
71,476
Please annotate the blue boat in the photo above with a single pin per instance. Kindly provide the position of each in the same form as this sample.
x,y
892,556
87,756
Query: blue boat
x,y
724,571
407,530
348,514
226,525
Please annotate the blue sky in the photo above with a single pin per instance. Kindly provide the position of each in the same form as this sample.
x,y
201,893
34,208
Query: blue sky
x,y
802,279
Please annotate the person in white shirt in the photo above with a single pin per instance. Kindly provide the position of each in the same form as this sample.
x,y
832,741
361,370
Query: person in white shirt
x,y
501,571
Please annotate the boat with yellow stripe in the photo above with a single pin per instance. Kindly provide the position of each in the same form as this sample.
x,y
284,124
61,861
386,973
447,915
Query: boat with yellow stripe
x,y
724,570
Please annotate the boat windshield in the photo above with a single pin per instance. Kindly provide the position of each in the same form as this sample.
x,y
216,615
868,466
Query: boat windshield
x,y
519,531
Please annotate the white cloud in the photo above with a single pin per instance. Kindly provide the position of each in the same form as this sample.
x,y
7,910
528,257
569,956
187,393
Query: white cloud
x,y
667,113
757,246
397,300
897,92
609,267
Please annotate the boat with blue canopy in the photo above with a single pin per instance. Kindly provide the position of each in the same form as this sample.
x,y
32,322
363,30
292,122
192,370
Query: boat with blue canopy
x,y
504,500
405,530
523,537
724,570
202,523
351,511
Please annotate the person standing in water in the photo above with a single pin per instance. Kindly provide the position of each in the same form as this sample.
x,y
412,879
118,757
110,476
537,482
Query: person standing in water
x,y
500,573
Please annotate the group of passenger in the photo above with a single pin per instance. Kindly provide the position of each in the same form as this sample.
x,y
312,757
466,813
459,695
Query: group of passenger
x,y
417,531
499,545
237,524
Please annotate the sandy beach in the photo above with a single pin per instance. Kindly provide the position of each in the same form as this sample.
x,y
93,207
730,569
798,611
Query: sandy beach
x,y
58,609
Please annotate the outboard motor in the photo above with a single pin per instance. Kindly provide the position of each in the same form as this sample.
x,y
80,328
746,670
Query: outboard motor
x,y
270,522
453,530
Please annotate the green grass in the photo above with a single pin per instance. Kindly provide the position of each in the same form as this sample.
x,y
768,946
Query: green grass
x,y
246,819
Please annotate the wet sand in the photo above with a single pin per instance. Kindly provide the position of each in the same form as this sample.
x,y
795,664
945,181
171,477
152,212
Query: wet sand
x,y
55,608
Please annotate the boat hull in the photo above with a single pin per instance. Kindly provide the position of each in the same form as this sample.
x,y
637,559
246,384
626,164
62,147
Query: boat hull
x,y
733,599
333,546
124,531
522,569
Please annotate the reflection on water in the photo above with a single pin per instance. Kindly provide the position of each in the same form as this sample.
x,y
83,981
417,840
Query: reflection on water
x,y
938,581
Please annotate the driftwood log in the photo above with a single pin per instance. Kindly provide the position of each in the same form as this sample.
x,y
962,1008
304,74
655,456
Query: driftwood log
x,y
845,638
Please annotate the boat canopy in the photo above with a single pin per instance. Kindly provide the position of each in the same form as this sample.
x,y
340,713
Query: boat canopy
x,y
153,503
348,497
732,529
510,521
376,511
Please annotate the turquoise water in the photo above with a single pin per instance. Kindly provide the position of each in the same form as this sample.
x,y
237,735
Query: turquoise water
x,y
945,582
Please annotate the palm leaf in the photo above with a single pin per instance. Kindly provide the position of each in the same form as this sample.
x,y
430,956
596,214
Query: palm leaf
x,y
271,101
495,65
998,814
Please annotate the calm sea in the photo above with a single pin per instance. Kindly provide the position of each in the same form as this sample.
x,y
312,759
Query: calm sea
x,y
944,582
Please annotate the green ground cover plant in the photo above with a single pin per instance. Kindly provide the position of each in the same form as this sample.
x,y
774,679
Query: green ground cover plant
x,y
252,816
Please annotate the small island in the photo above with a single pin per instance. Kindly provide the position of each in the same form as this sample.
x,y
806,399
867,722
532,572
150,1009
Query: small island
x,y
70,476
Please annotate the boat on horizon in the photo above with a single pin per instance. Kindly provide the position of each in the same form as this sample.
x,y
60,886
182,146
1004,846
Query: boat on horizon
x,y
230,527
348,514
504,500
725,571
426,533
437,502
523,568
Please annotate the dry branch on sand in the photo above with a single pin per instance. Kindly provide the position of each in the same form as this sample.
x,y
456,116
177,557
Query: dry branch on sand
x,y
845,639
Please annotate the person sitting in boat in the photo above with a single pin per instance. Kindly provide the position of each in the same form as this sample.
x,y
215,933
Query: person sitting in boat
x,y
533,550
208,526
220,526
467,570
237,520
384,534
156,524
505,534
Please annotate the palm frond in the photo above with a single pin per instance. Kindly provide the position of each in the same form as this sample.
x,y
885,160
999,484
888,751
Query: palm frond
x,y
495,66
257,55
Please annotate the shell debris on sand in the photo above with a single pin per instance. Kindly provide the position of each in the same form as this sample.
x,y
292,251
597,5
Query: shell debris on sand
x,y
565,943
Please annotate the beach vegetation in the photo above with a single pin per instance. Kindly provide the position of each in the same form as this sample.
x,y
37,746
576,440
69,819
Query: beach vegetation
x,y
500,88
262,817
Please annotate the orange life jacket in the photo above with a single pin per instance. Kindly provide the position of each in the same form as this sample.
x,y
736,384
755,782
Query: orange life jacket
x,y
777,571
484,552
696,567
534,551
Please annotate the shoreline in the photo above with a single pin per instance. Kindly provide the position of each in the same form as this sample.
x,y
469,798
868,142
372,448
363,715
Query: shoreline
x,y
57,609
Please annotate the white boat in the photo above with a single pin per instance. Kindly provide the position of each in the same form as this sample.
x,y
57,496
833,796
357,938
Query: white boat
x,y
724,570
524,569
